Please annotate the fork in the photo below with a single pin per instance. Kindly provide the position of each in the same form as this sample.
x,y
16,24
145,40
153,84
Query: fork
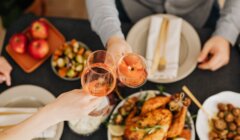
x,y
159,61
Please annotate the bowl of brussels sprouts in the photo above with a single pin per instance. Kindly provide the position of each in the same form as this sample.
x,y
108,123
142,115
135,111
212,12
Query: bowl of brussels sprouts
x,y
69,60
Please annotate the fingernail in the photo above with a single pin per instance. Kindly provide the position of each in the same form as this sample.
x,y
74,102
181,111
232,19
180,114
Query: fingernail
x,y
8,83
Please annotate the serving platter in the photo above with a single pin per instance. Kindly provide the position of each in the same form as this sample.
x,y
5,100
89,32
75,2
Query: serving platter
x,y
25,61
140,95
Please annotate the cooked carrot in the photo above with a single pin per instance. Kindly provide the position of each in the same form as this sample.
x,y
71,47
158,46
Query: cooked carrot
x,y
81,50
58,52
65,45
62,72
55,57
73,41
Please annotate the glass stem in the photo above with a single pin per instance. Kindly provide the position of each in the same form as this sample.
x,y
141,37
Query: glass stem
x,y
118,93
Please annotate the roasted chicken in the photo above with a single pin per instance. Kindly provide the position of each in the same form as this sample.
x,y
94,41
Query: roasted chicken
x,y
154,103
150,126
156,119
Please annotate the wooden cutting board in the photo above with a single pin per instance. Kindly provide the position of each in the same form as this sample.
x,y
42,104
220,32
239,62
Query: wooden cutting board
x,y
29,64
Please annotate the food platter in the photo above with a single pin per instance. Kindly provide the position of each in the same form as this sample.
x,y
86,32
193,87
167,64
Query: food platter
x,y
149,94
202,123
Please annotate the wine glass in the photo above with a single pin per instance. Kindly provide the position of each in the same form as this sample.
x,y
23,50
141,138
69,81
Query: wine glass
x,y
98,79
132,70
99,76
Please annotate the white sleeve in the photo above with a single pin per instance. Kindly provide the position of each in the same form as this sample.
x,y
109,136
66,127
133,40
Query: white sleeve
x,y
104,19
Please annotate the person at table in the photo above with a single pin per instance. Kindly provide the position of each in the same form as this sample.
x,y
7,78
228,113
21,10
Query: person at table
x,y
5,71
105,21
68,106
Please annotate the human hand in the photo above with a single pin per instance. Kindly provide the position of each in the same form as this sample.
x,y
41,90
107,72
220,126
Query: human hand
x,y
219,50
118,47
72,105
5,70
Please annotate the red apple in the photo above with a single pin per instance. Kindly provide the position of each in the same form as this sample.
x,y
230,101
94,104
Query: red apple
x,y
39,29
18,42
38,49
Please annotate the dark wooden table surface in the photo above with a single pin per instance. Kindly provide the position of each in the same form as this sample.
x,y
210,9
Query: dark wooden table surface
x,y
202,83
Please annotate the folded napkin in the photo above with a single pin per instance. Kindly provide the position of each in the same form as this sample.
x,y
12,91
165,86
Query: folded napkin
x,y
172,47
13,116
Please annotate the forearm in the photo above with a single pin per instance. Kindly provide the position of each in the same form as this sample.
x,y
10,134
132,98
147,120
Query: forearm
x,y
228,25
31,127
104,19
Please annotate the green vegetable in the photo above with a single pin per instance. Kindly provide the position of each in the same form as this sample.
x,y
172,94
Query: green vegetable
x,y
79,68
54,63
67,51
70,55
71,73
79,59
148,130
60,62
161,89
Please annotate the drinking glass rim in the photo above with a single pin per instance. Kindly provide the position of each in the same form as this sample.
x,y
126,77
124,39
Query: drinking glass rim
x,y
109,70
144,61
97,52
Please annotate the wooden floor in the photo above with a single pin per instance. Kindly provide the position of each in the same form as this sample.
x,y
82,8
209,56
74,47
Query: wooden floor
x,y
66,8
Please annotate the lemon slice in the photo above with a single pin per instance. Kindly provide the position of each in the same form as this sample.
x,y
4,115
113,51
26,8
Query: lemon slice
x,y
116,130
150,94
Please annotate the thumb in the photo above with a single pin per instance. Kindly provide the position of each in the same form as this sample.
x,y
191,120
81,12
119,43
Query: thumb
x,y
203,55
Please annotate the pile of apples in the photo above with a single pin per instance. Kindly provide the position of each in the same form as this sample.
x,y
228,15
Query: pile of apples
x,y
35,44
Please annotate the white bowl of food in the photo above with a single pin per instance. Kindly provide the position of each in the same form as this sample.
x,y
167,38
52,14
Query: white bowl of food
x,y
69,60
224,112
128,118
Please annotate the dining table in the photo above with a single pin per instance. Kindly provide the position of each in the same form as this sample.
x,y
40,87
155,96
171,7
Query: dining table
x,y
203,83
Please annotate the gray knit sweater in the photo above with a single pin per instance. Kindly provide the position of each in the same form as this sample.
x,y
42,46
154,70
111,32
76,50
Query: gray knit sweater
x,y
104,15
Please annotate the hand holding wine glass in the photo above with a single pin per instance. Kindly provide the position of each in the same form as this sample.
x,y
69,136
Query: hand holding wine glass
x,y
131,67
118,47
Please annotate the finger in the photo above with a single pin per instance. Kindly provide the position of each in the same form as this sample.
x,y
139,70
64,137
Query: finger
x,y
204,54
211,63
217,66
8,79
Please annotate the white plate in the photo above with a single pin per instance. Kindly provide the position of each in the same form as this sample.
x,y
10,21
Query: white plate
x,y
189,49
140,94
210,105
29,96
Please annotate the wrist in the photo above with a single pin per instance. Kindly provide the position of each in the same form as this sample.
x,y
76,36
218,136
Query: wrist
x,y
49,111
113,40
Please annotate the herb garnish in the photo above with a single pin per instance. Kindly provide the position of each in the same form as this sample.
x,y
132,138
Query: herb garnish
x,y
161,89
148,130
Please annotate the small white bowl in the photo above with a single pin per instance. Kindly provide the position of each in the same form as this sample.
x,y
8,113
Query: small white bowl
x,y
210,105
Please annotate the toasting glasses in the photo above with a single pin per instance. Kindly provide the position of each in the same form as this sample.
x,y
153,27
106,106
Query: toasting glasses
x,y
100,75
